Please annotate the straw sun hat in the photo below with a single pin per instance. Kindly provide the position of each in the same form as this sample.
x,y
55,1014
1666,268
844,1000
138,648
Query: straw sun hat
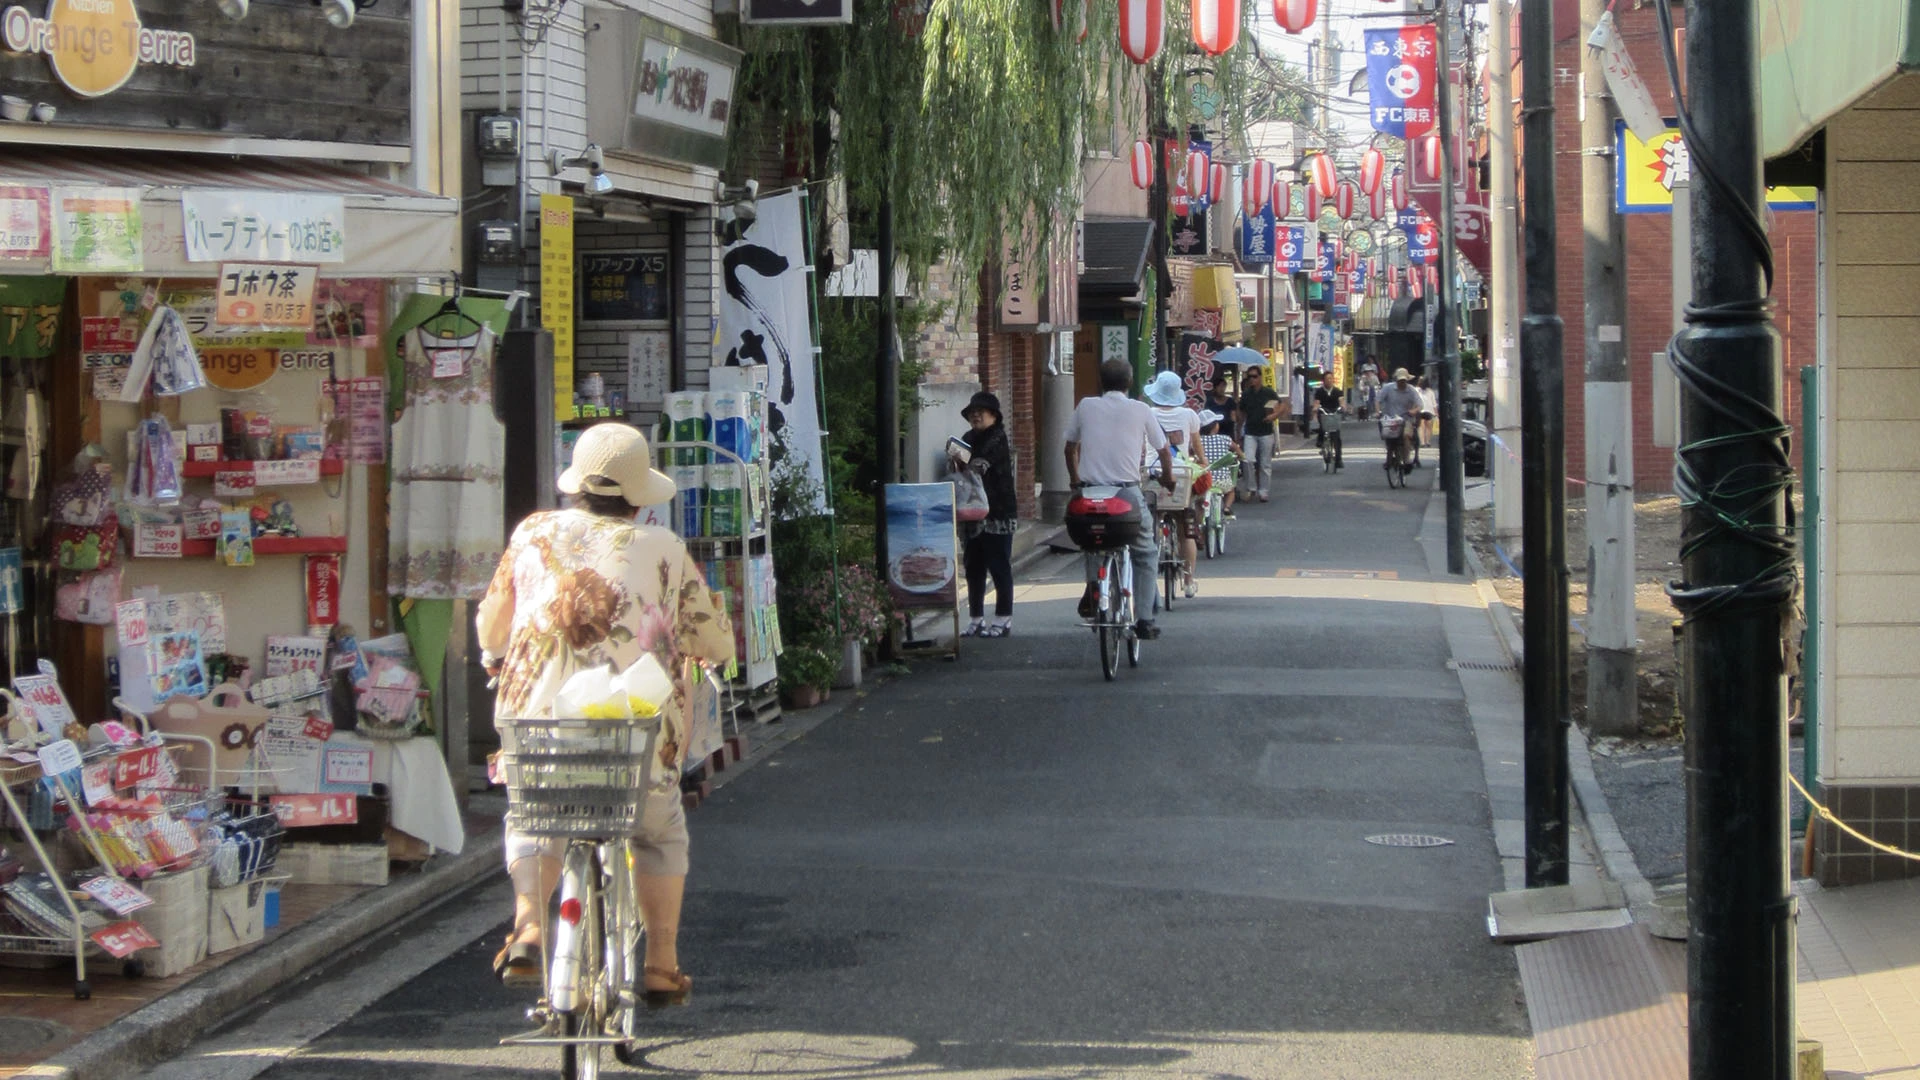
x,y
614,459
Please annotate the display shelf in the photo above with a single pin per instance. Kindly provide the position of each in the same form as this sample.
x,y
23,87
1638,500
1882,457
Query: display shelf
x,y
273,545
208,469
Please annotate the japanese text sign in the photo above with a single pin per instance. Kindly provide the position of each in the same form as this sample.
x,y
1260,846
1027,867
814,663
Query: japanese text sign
x,y
265,226
97,230
265,294
123,939
118,896
1402,67
1292,249
683,88
1644,175
308,811
1257,237
556,293
24,228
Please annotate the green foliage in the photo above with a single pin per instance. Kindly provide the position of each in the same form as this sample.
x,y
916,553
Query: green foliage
x,y
809,662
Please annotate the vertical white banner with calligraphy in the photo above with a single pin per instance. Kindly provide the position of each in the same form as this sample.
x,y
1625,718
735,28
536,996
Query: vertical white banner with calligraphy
x,y
765,319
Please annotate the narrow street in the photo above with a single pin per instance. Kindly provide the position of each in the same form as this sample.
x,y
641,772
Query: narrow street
x,y
1008,868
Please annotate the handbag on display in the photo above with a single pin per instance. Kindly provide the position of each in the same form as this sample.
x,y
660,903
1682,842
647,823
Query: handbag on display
x,y
86,548
89,598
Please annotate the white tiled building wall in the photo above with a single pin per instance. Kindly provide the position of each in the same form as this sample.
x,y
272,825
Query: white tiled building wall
x,y
553,117
1872,438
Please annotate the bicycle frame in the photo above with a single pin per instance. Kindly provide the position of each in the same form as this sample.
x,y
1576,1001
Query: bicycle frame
x,y
590,1000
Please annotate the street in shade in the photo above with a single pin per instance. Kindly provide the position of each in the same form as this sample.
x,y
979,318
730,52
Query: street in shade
x,y
1006,867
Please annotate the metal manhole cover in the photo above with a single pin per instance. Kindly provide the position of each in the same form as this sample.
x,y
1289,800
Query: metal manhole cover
x,y
1401,839
1480,665
20,1034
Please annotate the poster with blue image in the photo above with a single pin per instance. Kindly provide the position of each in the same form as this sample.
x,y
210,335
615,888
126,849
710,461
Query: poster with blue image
x,y
921,547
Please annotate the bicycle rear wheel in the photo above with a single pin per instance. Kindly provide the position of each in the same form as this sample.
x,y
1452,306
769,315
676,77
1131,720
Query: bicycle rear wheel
x,y
581,1061
1108,632
1109,651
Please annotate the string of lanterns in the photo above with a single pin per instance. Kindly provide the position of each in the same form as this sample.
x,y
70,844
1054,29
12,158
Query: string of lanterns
x,y
1215,24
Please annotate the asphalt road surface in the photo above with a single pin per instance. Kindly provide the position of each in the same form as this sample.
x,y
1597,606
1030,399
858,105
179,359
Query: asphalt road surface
x,y
1005,867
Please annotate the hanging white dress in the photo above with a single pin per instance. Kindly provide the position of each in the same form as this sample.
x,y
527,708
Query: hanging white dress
x,y
446,512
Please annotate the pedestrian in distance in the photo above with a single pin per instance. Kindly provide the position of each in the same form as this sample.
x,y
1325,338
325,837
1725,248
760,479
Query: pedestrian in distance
x,y
1259,413
989,543
1220,399
1429,417
1182,425
1214,446
1297,401
1328,400
577,589
1105,440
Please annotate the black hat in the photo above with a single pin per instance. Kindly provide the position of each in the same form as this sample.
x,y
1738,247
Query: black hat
x,y
984,400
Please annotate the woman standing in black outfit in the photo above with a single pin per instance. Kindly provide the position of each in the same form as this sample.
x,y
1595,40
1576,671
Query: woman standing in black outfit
x,y
989,543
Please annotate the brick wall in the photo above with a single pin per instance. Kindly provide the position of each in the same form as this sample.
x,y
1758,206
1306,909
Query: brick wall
x,y
949,343
1649,263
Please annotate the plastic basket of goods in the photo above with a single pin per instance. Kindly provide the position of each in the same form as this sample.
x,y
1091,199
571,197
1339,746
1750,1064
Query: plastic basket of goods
x,y
587,770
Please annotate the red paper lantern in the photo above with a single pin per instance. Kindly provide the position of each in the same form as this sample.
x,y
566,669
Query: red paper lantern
x,y
1197,173
1216,25
1398,191
1282,198
1142,163
1217,183
1430,155
1313,203
1294,16
1343,200
1143,29
1415,287
1259,186
1373,166
1377,203
1323,175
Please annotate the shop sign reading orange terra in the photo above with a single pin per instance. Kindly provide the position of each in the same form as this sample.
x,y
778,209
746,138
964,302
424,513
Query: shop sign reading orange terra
x,y
94,45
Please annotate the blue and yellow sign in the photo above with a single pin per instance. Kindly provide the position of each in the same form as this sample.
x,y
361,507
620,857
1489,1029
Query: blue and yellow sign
x,y
1644,174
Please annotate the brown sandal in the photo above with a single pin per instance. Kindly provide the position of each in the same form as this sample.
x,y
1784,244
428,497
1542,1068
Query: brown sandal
x,y
660,999
518,964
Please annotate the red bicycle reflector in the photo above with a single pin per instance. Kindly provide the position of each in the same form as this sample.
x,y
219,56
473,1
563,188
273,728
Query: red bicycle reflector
x,y
570,911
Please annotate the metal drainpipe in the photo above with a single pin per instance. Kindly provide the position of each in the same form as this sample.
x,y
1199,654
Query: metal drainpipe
x,y
1810,578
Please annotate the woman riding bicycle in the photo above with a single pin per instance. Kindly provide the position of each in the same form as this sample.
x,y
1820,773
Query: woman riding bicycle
x,y
1182,425
581,588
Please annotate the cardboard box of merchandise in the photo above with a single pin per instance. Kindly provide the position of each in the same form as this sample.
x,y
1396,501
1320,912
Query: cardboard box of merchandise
x,y
333,864
236,916
177,918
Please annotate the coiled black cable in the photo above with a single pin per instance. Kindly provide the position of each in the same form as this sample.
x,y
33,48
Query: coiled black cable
x,y
1737,504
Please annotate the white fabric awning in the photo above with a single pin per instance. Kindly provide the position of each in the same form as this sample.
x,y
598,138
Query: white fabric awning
x,y
391,230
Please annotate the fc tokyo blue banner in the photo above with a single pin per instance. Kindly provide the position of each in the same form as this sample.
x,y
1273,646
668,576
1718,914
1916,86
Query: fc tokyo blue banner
x,y
1402,66
1357,279
1256,237
1423,237
1323,266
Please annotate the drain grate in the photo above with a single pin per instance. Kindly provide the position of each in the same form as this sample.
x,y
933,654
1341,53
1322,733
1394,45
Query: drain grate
x,y
1480,665
1401,839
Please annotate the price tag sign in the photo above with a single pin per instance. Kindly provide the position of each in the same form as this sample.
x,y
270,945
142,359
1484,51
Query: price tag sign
x,y
346,765
59,757
96,782
118,896
318,728
233,484
307,811
130,622
157,541
123,939
136,766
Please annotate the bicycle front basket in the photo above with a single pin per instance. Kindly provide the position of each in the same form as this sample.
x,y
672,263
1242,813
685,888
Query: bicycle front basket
x,y
585,779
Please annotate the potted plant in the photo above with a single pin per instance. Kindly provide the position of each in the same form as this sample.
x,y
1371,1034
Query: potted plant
x,y
806,671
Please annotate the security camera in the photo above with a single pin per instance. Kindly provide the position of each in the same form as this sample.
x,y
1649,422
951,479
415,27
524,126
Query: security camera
x,y
593,158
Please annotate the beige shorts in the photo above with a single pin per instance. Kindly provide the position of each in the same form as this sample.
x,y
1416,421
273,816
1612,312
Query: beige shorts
x,y
659,844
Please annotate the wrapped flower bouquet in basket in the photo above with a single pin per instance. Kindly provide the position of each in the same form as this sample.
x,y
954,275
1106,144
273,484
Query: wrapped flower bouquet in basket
x,y
586,771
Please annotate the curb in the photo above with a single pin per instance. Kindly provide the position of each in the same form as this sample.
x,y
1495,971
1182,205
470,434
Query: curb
x,y
163,1028
1615,855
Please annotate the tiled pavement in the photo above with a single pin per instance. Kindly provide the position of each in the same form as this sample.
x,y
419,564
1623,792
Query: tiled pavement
x,y
1860,978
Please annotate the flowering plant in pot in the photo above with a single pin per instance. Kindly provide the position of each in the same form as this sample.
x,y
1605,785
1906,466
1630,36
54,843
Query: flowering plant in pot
x,y
807,668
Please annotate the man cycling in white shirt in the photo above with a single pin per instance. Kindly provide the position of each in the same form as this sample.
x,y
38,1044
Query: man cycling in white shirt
x,y
1105,439
1403,400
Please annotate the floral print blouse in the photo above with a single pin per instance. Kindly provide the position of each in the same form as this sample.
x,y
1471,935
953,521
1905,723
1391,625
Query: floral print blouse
x,y
576,590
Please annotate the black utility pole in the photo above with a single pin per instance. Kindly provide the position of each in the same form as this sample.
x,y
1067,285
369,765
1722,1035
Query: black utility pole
x,y
1452,461
886,369
1737,556
1542,466
1158,196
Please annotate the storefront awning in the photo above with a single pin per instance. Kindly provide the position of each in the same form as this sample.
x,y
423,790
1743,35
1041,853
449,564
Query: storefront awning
x,y
391,230
1818,57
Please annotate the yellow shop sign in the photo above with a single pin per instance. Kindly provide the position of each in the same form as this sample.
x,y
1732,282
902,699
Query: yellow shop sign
x,y
94,45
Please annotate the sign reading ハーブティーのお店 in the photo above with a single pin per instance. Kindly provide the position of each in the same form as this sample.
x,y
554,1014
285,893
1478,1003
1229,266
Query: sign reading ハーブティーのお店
x,y
95,46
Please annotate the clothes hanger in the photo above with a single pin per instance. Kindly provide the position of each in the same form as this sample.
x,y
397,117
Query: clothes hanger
x,y
452,309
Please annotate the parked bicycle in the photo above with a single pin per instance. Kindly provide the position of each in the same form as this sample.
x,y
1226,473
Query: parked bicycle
x,y
1103,525
585,781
